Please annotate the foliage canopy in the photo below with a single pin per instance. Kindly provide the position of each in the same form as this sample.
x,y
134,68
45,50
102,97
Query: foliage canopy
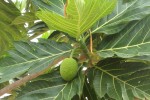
x,y
109,39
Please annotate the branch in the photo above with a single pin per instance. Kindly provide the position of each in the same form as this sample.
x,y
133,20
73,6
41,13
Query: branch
x,y
25,79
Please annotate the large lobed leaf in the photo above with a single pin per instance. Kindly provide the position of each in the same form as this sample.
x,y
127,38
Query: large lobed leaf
x,y
80,15
121,80
134,40
124,12
8,32
52,87
31,57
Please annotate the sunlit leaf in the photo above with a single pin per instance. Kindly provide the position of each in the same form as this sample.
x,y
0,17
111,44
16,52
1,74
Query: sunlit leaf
x,y
80,15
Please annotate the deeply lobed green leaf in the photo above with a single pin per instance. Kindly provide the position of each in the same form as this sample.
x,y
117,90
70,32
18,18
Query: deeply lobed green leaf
x,y
52,87
80,15
134,40
124,12
121,80
31,58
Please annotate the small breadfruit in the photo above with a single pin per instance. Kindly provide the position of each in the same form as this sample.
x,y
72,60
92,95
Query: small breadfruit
x,y
68,69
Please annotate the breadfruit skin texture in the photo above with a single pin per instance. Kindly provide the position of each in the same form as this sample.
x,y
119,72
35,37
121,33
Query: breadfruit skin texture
x,y
68,69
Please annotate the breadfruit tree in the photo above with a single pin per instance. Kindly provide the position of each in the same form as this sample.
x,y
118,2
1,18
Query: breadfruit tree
x,y
75,49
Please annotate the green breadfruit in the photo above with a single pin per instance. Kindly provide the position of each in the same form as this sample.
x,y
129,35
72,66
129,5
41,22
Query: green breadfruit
x,y
68,69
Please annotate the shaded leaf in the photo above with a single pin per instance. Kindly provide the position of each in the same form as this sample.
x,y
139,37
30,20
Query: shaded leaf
x,y
122,80
132,41
52,5
61,37
142,58
3,84
37,29
8,32
52,87
80,15
88,92
24,18
123,13
31,57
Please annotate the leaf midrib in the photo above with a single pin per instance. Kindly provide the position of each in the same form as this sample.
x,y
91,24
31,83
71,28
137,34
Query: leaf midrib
x,y
30,92
38,59
125,83
112,19
126,47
